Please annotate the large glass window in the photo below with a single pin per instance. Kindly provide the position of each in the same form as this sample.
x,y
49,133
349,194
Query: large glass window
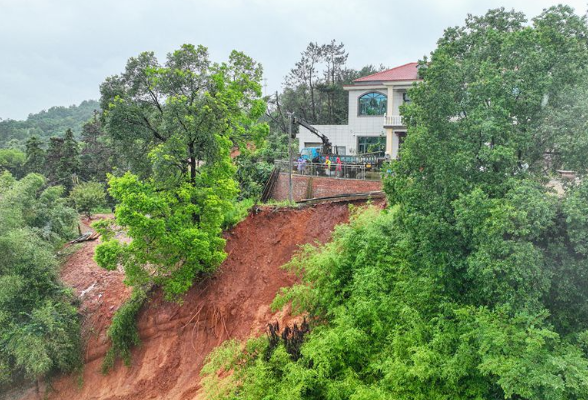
x,y
371,144
373,103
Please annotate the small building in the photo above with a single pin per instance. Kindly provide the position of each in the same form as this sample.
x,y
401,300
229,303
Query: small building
x,y
374,123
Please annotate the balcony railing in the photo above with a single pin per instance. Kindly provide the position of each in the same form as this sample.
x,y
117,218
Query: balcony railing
x,y
393,120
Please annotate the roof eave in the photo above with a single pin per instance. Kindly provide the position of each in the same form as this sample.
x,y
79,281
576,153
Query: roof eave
x,y
399,82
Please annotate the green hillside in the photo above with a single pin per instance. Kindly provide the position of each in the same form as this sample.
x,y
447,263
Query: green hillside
x,y
47,123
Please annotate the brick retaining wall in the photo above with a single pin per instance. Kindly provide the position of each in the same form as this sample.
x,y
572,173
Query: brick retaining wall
x,y
304,186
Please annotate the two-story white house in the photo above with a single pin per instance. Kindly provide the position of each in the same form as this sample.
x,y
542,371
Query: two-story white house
x,y
374,123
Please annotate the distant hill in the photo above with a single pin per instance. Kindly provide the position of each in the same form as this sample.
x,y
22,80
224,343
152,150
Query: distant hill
x,y
45,124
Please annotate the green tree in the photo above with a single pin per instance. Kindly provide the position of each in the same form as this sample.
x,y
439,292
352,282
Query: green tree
x,y
69,164
252,173
35,161
63,160
304,78
313,89
39,326
187,115
564,133
53,157
13,161
88,196
97,153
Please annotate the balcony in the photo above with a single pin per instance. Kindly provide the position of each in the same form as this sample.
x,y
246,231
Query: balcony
x,y
392,121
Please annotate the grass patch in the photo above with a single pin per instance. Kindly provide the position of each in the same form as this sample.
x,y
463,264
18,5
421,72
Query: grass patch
x,y
101,210
282,203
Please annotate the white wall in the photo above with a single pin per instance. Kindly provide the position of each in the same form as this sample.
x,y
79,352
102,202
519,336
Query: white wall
x,y
342,135
339,135
397,102
346,135
364,123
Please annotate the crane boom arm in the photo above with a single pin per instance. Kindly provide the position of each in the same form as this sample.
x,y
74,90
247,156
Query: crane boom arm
x,y
327,146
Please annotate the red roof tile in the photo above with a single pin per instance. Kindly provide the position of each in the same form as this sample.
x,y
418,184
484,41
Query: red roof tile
x,y
406,72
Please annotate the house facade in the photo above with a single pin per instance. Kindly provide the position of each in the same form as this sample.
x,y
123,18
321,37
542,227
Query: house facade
x,y
374,123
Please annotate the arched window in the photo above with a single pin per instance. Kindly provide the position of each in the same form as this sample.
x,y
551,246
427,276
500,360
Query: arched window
x,y
373,103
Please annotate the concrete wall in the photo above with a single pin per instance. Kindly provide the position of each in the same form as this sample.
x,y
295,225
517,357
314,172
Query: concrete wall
x,y
304,186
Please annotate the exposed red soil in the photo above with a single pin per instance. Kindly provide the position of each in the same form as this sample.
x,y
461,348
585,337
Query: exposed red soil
x,y
233,303
101,293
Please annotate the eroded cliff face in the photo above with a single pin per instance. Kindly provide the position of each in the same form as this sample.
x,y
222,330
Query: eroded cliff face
x,y
176,338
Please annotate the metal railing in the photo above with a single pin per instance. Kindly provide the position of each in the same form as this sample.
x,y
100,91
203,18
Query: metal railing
x,y
342,171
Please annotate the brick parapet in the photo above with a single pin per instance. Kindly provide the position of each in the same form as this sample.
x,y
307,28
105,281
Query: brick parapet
x,y
305,186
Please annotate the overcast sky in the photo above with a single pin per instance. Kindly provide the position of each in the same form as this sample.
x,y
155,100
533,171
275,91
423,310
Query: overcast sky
x,y
57,52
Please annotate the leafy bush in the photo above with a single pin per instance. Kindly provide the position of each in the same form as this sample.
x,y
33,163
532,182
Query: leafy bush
x,y
107,255
253,171
239,212
87,197
123,332
30,203
39,325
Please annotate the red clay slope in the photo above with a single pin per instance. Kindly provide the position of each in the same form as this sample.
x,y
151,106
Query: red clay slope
x,y
176,339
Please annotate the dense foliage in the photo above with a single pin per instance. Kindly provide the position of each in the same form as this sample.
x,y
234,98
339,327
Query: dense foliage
x,y
62,160
45,124
313,89
123,331
253,171
186,116
176,233
35,156
98,156
39,328
87,197
13,161
473,284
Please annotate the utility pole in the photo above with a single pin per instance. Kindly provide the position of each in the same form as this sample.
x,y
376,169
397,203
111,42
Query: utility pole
x,y
290,157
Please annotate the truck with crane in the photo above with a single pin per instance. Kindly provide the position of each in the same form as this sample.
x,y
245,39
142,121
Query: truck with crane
x,y
319,154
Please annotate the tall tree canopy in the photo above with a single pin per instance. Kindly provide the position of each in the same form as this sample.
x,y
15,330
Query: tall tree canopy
x,y
97,155
63,164
35,156
474,284
314,87
177,123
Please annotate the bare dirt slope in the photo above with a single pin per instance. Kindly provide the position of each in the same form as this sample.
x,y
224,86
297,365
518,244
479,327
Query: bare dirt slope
x,y
234,303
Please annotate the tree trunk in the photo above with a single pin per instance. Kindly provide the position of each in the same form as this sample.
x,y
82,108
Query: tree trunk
x,y
311,86
192,161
